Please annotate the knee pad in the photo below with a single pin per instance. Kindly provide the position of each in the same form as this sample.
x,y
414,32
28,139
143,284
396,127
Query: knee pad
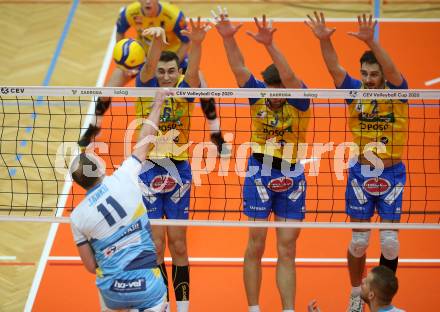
x,y
389,244
359,243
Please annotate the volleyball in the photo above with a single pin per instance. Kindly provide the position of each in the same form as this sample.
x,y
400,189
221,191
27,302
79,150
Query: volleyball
x,y
129,54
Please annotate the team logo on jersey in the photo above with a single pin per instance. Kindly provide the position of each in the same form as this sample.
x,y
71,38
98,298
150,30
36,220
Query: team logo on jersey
x,y
132,285
376,186
163,184
262,114
280,184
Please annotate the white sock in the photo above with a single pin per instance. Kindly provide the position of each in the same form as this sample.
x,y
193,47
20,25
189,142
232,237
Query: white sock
x,y
182,306
168,307
288,310
254,308
356,291
214,125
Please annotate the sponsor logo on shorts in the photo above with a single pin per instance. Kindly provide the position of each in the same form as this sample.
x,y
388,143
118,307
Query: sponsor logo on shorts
x,y
280,184
356,208
376,186
163,184
257,208
126,286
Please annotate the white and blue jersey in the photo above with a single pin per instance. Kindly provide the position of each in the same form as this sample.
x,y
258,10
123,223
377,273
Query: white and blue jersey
x,y
113,220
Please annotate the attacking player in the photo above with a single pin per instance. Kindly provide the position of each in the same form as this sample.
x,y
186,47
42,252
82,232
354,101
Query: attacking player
x,y
112,230
373,123
276,123
141,15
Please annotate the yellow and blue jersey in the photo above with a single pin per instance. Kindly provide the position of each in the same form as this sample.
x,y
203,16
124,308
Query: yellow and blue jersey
x,y
381,120
169,17
287,125
174,122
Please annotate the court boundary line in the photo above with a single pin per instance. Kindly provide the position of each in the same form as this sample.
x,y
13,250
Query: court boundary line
x,y
265,260
66,189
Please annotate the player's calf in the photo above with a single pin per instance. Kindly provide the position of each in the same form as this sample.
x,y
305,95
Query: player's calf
x,y
389,243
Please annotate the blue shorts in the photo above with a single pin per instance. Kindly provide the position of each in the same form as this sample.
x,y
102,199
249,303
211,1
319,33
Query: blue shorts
x,y
137,289
167,192
285,196
364,194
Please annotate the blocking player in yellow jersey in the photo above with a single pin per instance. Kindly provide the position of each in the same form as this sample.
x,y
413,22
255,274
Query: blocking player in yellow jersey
x,y
372,122
279,185
145,14
167,177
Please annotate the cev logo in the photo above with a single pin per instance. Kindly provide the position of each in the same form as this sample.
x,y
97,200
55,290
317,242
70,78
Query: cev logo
x,y
5,90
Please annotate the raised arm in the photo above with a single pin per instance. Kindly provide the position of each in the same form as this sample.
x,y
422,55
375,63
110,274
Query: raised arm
x,y
324,33
235,58
366,34
184,41
265,37
196,35
157,46
149,127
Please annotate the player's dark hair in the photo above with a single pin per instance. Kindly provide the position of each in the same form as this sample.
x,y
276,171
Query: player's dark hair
x,y
384,284
271,76
84,171
168,56
369,58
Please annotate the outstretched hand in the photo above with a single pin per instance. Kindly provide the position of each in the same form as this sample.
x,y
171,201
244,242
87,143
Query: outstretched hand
x,y
222,23
157,33
265,31
366,29
160,96
318,27
198,30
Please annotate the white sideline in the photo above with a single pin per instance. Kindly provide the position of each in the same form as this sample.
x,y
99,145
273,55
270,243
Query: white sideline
x,y
66,189
432,82
264,260
8,258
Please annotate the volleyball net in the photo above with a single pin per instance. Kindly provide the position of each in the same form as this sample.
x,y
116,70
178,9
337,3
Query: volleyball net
x,y
40,128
